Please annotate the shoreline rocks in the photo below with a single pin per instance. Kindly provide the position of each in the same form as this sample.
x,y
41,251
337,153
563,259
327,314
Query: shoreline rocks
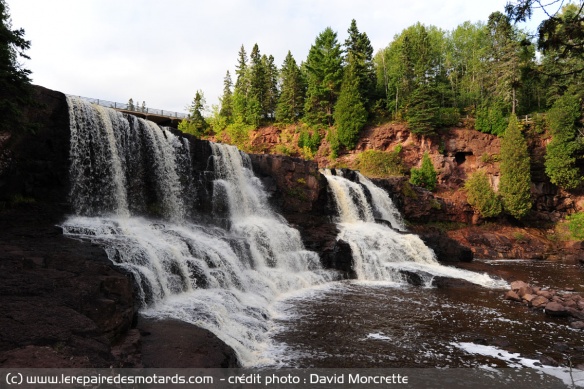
x,y
553,302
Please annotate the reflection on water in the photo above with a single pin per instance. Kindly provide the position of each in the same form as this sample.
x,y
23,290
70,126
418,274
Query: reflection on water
x,y
383,325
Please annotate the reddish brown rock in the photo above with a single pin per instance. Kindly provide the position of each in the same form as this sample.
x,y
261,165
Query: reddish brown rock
x,y
528,297
517,285
539,302
524,290
544,293
556,309
577,325
512,295
575,313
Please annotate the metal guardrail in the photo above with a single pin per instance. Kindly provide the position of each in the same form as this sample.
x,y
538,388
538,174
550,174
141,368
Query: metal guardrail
x,y
136,108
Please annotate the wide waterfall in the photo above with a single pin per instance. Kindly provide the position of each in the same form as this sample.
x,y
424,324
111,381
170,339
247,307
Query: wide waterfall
x,y
380,252
221,279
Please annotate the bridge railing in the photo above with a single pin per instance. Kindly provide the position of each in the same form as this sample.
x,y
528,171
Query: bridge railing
x,y
135,108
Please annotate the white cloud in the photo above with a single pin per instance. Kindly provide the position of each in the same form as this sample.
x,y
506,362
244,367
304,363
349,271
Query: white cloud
x,y
162,52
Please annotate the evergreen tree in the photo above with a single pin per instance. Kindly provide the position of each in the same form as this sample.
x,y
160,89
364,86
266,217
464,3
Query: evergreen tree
x,y
422,110
242,81
195,124
514,186
324,76
271,87
227,98
131,106
562,151
14,78
350,113
481,195
292,91
358,46
425,176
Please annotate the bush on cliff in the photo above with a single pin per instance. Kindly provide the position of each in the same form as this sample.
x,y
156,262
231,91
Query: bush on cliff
x,y
576,225
481,196
375,163
426,175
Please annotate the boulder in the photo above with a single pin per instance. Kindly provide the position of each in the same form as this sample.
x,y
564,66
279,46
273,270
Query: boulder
x,y
578,325
512,295
554,308
517,285
538,302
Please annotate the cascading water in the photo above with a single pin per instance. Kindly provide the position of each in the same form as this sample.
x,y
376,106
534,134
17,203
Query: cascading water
x,y
221,280
381,253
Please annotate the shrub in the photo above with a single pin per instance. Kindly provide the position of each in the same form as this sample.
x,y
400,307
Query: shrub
x,y
491,120
576,225
448,117
481,196
309,139
426,175
375,163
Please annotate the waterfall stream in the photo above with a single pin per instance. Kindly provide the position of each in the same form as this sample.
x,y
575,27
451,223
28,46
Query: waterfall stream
x,y
224,280
134,190
380,252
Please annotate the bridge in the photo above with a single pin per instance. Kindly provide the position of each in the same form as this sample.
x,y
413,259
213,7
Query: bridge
x,y
158,116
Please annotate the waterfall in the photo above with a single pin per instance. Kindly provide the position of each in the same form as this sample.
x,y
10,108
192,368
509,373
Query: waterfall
x,y
222,279
381,253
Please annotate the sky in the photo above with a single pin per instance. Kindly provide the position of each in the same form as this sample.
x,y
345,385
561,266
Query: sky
x,y
162,52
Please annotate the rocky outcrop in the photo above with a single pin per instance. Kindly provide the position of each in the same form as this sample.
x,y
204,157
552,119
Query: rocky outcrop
x,y
170,343
564,304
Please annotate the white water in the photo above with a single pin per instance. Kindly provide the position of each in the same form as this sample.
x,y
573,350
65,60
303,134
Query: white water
x,y
223,280
381,253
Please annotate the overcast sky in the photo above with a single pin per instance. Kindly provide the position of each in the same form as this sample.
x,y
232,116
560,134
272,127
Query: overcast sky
x,y
163,51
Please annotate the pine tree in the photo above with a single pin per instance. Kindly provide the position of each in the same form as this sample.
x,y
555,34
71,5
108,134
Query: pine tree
x,y
514,186
196,124
324,76
14,78
422,110
350,113
292,91
242,81
227,98
561,152
271,87
358,46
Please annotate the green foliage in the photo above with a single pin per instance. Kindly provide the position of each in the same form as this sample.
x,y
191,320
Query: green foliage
x,y
350,113
376,163
324,75
360,56
481,195
515,183
491,119
238,133
293,91
309,139
561,152
227,98
422,111
195,124
576,225
425,176
14,78
448,117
